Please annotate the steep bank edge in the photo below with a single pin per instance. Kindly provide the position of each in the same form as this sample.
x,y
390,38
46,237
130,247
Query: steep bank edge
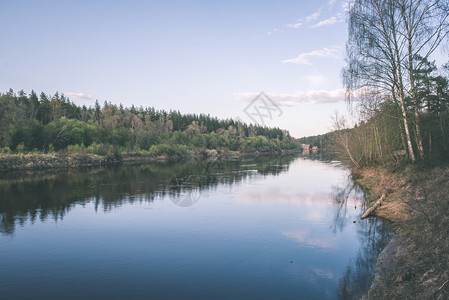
x,y
414,265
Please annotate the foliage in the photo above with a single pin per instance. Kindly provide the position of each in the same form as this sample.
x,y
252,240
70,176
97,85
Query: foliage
x,y
401,99
388,48
52,123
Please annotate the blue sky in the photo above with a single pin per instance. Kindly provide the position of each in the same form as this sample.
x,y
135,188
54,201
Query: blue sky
x,y
193,56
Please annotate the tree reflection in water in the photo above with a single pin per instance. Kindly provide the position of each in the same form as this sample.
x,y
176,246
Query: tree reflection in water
x,y
42,195
373,234
26,198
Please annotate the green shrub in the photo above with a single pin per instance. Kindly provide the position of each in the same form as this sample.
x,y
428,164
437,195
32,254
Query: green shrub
x,y
20,148
5,150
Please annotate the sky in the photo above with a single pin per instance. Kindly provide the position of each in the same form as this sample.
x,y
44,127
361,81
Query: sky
x,y
212,57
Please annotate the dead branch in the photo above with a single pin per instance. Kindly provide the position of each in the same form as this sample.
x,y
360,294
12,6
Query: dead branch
x,y
372,208
443,285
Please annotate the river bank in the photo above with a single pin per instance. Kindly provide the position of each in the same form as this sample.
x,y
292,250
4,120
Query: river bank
x,y
415,264
33,161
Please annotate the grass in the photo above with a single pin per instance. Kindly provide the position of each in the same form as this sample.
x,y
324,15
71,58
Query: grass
x,y
417,208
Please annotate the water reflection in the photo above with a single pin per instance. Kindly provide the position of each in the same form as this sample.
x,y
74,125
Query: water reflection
x,y
28,196
373,235
341,196
268,228
309,239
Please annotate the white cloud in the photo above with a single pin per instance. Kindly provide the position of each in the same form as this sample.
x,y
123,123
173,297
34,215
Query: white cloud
x,y
345,6
306,20
78,95
312,17
293,99
298,24
303,58
330,21
300,60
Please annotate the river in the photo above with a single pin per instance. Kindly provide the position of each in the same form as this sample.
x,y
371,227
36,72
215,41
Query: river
x,y
272,228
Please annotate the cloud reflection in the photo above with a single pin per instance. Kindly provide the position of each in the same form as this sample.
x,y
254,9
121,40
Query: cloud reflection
x,y
304,238
287,196
324,273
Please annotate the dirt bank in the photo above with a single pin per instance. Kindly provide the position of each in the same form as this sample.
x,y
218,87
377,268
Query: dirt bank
x,y
9,162
415,265
75,160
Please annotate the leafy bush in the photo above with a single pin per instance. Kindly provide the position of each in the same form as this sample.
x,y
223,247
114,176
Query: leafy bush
x,y
5,150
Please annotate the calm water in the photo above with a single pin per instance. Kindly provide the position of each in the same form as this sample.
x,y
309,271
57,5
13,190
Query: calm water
x,y
261,229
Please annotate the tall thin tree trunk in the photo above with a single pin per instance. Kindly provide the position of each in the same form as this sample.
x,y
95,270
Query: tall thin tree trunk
x,y
356,164
418,132
406,128
401,100
404,143
407,17
400,90
418,137
378,142
442,127
399,83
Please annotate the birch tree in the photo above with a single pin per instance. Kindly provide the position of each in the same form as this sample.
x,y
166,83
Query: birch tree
x,y
385,37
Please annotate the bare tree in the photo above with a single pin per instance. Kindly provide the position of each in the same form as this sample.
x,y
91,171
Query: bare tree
x,y
425,26
373,55
384,38
341,136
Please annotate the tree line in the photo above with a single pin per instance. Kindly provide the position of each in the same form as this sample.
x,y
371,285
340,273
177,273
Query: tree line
x,y
51,123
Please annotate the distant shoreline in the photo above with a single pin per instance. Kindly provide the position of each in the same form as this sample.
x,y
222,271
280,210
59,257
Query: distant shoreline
x,y
31,161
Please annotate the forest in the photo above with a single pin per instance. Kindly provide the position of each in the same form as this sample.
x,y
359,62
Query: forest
x,y
397,94
54,123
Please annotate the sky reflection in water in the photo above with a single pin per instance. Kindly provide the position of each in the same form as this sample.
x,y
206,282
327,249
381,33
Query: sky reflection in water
x,y
271,228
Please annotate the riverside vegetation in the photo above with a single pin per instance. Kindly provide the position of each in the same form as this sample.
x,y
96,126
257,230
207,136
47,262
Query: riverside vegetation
x,y
51,131
400,141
